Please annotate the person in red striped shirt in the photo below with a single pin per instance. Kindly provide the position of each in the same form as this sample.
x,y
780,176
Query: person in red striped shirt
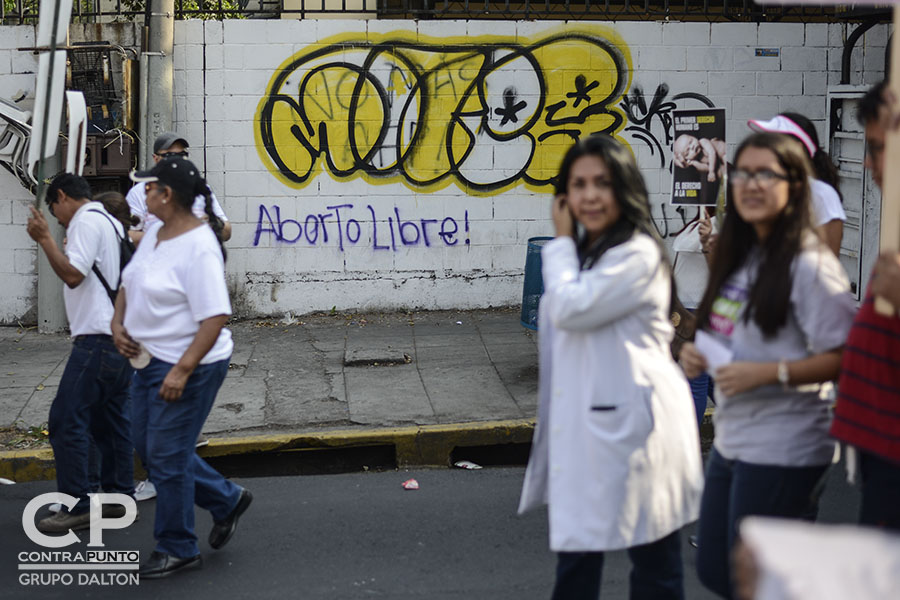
x,y
867,414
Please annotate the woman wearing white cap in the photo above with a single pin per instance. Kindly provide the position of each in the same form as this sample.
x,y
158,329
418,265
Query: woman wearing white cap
x,y
828,214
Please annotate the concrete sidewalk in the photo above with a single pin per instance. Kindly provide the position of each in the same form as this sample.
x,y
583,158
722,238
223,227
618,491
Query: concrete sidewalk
x,y
424,381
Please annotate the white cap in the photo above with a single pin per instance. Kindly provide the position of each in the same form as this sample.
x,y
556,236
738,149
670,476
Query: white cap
x,y
782,124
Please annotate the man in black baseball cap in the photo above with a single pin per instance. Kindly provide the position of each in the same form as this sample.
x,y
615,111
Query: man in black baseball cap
x,y
167,145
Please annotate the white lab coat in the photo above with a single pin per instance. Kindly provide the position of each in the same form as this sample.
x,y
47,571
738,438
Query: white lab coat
x,y
616,452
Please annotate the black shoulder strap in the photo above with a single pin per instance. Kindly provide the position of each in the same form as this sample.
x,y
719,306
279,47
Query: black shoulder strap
x,y
109,291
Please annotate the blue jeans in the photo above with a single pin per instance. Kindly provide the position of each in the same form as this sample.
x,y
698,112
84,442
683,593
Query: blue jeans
x,y
165,435
880,506
700,391
92,404
656,572
736,489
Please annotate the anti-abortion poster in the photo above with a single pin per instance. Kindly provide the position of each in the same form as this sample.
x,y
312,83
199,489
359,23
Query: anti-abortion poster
x,y
699,168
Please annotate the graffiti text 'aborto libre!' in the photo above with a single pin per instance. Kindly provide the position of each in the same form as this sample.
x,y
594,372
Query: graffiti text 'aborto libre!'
x,y
337,226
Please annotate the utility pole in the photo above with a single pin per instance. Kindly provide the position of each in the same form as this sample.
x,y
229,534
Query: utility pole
x,y
157,68
51,308
51,311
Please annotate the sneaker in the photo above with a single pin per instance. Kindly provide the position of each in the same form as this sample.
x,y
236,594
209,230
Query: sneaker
x,y
201,441
144,490
62,522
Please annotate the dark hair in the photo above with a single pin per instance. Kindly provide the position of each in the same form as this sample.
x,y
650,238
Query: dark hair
x,y
186,189
629,191
202,189
116,205
823,168
870,105
769,296
73,186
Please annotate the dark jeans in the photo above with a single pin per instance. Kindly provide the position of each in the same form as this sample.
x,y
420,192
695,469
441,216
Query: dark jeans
x,y
700,392
736,489
94,460
656,572
880,505
165,435
92,403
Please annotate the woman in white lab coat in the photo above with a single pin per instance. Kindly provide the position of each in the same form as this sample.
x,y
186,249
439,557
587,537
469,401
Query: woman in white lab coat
x,y
615,453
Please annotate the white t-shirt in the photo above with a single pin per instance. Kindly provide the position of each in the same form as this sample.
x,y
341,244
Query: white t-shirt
x,y
137,202
826,203
170,287
772,425
90,238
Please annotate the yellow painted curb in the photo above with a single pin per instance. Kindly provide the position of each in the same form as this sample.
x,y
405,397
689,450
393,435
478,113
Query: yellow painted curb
x,y
422,445
27,465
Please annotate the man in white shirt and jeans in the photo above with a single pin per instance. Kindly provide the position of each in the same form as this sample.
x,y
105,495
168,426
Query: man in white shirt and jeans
x,y
169,144
92,400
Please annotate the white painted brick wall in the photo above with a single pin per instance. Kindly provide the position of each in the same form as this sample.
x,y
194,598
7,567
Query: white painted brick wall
x,y
745,59
711,58
733,84
733,34
685,34
778,84
815,83
795,58
816,35
716,60
781,34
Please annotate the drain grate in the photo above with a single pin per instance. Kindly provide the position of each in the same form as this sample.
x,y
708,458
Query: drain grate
x,y
307,461
495,455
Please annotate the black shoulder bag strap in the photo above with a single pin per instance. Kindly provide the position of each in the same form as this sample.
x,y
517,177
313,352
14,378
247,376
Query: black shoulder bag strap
x,y
109,291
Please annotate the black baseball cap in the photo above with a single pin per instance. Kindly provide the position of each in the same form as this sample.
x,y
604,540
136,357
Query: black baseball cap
x,y
166,140
176,172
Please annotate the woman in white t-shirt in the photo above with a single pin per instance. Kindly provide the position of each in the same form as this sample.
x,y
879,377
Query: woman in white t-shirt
x,y
169,319
773,321
828,214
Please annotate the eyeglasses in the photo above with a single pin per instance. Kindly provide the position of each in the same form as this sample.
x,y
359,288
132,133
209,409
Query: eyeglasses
x,y
764,178
183,154
50,208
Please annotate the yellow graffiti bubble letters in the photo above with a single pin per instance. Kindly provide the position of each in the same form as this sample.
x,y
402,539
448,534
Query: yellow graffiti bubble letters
x,y
487,113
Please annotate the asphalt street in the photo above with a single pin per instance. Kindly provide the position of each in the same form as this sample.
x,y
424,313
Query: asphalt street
x,y
356,536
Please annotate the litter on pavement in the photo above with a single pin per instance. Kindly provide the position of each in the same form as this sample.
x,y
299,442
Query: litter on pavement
x,y
467,464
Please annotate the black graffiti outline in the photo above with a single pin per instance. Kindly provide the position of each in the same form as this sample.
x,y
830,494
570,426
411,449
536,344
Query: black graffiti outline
x,y
641,117
458,54
581,90
510,107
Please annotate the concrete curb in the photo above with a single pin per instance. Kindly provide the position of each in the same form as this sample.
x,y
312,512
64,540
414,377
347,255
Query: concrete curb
x,y
423,445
